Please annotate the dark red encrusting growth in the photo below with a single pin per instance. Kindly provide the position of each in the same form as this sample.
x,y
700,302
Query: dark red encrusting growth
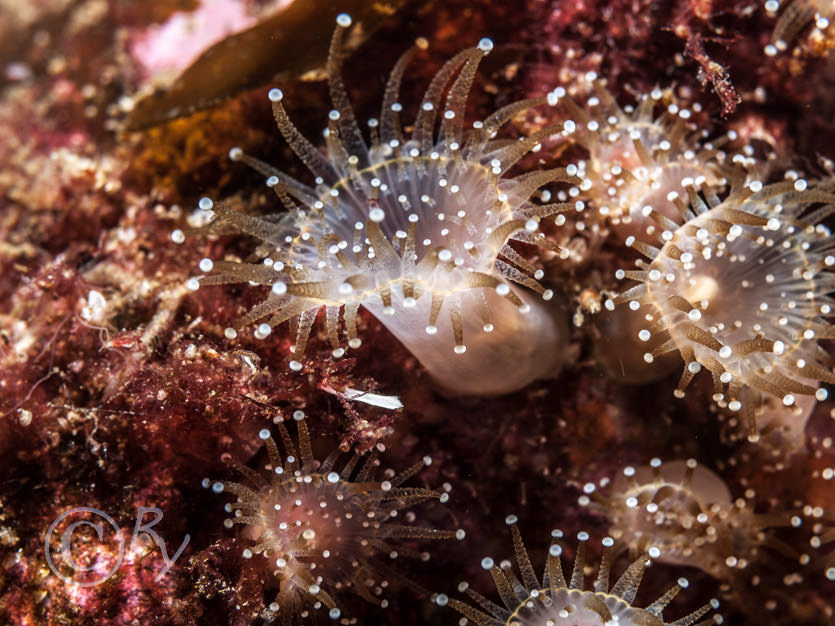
x,y
636,45
120,390
703,46
36,497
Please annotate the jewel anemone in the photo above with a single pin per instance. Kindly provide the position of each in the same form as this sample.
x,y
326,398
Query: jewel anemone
x,y
743,288
555,601
322,530
640,157
688,512
415,230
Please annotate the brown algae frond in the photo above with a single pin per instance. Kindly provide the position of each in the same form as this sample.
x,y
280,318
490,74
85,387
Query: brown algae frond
x,y
743,288
324,530
557,601
416,230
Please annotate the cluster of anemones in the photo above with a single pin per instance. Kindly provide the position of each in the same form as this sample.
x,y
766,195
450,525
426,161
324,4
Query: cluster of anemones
x,y
418,230
739,275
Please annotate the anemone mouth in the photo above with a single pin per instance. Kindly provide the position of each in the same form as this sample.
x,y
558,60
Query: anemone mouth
x,y
449,208
630,194
690,515
739,298
287,525
680,507
734,284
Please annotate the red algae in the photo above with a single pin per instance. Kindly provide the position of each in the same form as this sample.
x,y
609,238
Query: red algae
x,y
121,389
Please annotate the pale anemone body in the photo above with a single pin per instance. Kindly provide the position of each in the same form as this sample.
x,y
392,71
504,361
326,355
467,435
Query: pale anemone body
x,y
743,288
415,230
324,531
688,512
557,601
639,159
